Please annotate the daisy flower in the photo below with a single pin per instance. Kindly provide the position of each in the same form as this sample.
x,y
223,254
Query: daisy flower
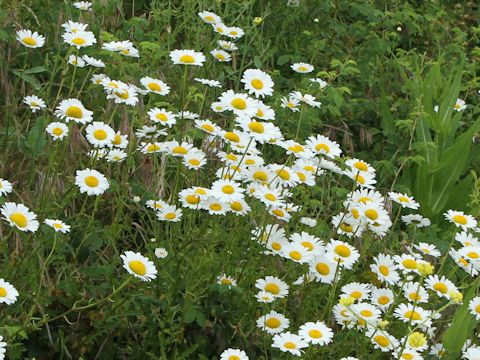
x,y
221,55
257,82
100,134
34,102
302,68
323,269
320,144
79,39
459,105
30,39
73,27
382,340
356,290
215,207
474,306
8,293
440,285
91,182
273,285
342,253
322,84
316,333
58,225
273,322
169,213
227,191
187,57
427,249
73,110
195,159
139,266
404,200
209,17
234,32
5,187
291,343
296,252
115,155
19,216
226,280
209,82
83,5
290,103
227,45
417,220
264,297
233,354
57,130
161,253
240,104
414,292
76,61
93,62
460,219
382,298
155,86
162,116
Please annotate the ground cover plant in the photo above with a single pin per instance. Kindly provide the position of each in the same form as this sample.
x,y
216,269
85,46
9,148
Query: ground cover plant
x,y
239,180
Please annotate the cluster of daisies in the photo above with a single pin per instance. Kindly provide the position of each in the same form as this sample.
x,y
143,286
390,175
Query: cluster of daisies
x,y
244,180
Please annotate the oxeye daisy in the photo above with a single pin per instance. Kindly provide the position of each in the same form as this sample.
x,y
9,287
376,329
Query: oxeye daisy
x,y
427,249
264,112
187,57
233,354
471,253
302,68
8,293
156,204
209,17
215,206
83,5
162,116
343,253
365,180
73,27
414,292
269,196
407,263
323,269
239,207
313,244
155,86
322,145
296,252
440,285
161,253
366,314
273,322
260,131
91,182
460,219
227,45
93,62
226,280
207,126
209,82
139,266
99,79
57,130
407,354
264,297
234,32
411,313
321,83
80,39
257,82
221,55
30,39
5,187
124,94
290,103
316,333
227,191
120,141
284,175
385,269
151,147
356,290
58,225
19,216
288,342
76,61
404,200
34,102
459,105
382,298
474,306
467,239
151,132
359,165
240,104
273,285
169,213
416,341
177,149
382,340
100,134
195,159
73,110
115,155
416,220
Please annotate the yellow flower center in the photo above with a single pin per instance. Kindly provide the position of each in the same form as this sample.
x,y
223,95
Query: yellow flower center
x,y
192,199
260,176
383,300
270,197
91,181
74,112
260,113
57,131
226,281
272,288
187,59
473,255
57,225
123,95
194,162
170,216
360,165
215,207
208,127
79,41
3,292
441,287
460,219
273,323
307,245
322,268
228,189
477,309
412,315
414,296
232,136
278,213
161,117
302,68
257,127
276,246
290,345
371,214
346,227
283,174
322,147
239,104
19,219
356,294
236,206
137,267
257,84
220,57
154,87
409,264
179,150
403,199
100,134
316,334
381,340
295,255
29,41
342,250
153,147
209,19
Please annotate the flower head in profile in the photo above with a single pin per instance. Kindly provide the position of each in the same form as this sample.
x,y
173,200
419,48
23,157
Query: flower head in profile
x,y
58,225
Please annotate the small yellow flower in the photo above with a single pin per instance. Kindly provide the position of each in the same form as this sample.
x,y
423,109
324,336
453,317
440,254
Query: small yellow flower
x,y
416,340
346,301
456,296
257,20
425,268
